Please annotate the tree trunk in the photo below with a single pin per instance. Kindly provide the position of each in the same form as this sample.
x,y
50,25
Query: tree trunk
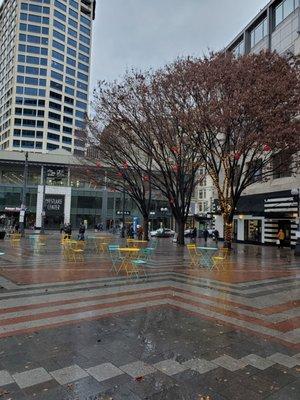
x,y
146,228
228,230
180,231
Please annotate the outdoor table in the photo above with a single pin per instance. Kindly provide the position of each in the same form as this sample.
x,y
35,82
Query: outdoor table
x,y
70,241
100,242
99,237
129,253
207,255
136,241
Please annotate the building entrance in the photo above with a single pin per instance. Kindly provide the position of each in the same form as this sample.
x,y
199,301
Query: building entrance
x,y
54,207
285,225
253,230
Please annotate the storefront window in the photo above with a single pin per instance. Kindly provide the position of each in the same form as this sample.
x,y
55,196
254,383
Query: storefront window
x,y
252,230
11,176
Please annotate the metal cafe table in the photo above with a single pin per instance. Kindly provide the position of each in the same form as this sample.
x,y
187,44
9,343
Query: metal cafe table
x,y
129,254
135,242
207,255
100,242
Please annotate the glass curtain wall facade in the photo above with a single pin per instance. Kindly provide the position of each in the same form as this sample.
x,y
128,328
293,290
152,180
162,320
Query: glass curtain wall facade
x,y
93,204
44,76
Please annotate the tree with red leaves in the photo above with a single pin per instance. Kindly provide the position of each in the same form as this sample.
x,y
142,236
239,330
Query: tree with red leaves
x,y
245,121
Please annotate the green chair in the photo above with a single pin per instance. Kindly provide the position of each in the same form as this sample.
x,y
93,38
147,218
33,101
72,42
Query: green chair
x,y
116,258
146,253
153,244
137,265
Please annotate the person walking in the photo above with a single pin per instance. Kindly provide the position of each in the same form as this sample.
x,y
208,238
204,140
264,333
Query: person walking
x,y
205,234
216,235
194,234
17,228
140,232
131,232
68,231
81,231
280,238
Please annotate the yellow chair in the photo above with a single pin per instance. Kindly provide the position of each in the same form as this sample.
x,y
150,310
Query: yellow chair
x,y
195,255
67,251
221,259
218,262
15,239
65,239
102,245
77,250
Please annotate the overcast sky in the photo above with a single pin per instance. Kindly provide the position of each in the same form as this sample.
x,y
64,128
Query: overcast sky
x,y
149,33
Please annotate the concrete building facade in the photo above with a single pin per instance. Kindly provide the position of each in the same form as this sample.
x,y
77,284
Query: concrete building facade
x,y
45,48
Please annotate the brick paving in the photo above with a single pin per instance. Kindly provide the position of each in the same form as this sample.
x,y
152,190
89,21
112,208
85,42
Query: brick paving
x,y
77,331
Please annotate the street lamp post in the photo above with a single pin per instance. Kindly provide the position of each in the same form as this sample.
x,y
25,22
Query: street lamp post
x,y
296,194
123,212
42,231
125,167
23,204
163,211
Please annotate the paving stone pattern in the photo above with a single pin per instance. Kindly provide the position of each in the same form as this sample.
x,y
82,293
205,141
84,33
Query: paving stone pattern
x,y
75,331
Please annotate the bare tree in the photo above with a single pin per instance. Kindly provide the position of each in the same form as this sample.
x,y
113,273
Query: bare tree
x,y
150,115
127,169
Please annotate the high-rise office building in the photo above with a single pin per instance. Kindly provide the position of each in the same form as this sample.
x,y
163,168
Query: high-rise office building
x,y
45,48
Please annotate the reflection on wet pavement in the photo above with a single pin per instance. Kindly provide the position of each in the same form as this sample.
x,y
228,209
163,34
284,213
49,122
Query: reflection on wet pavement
x,y
74,330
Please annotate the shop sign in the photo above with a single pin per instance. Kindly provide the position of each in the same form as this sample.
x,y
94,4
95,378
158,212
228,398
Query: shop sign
x,y
56,173
55,203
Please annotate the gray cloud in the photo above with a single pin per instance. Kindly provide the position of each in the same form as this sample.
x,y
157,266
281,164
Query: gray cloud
x,y
149,33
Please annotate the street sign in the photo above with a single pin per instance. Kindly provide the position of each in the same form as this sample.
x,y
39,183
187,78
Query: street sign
x,y
125,213
22,216
12,209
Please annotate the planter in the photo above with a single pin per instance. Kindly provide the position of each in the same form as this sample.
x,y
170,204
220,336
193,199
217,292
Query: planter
x,y
2,235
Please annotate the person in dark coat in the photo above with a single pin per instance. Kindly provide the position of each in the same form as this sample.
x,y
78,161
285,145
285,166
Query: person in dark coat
x,y
194,235
205,234
131,232
68,231
216,235
140,232
81,232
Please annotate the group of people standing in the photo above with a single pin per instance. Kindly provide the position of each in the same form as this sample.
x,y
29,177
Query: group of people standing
x,y
66,230
139,232
206,234
215,235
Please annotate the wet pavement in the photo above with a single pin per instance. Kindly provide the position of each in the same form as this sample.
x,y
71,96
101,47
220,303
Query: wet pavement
x,y
77,331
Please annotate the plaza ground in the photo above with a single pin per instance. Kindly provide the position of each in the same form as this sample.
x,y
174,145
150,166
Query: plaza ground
x,y
74,330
